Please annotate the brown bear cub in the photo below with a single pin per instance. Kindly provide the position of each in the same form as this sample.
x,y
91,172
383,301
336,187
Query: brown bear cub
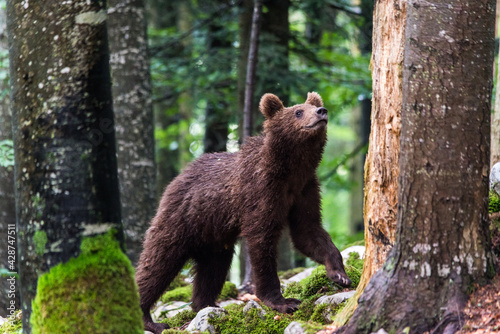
x,y
269,184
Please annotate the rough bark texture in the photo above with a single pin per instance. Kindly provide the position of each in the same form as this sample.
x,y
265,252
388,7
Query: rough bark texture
x,y
133,119
7,200
442,244
381,167
66,182
495,114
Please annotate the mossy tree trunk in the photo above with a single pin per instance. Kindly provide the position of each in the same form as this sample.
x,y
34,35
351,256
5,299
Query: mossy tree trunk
x,y
66,179
133,118
7,200
442,240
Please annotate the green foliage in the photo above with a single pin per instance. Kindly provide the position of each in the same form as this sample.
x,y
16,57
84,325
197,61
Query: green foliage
x,y
237,322
181,294
40,240
13,325
93,293
179,281
229,291
6,153
494,202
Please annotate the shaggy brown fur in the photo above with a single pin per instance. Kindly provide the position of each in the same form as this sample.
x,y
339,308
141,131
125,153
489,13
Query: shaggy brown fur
x,y
270,183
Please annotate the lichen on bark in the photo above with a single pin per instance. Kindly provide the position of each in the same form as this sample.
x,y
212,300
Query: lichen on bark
x,y
93,293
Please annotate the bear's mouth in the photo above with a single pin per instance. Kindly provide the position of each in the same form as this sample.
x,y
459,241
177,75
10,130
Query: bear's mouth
x,y
318,124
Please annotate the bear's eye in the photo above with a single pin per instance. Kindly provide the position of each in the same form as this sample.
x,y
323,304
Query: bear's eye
x,y
299,113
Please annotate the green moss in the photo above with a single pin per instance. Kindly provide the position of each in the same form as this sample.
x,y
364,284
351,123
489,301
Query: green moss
x,y
316,282
93,293
180,319
229,291
181,294
494,203
13,325
237,322
354,268
40,240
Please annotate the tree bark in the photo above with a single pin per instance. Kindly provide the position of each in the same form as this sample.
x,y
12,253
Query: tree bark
x,y
8,286
443,244
133,119
382,161
495,115
66,180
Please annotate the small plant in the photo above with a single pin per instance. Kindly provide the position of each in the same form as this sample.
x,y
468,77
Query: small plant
x,y
13,325
494,203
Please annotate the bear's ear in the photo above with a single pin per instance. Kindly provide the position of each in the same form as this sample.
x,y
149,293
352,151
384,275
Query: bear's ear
x,y
314,99
270,104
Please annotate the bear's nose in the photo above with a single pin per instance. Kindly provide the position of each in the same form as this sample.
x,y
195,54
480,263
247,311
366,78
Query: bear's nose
x,y
321,111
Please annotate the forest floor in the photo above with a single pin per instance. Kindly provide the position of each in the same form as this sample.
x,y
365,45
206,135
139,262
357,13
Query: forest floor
x,y
482,313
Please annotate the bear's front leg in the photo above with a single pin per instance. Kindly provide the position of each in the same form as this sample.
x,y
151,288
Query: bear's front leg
x,y
263,255
311,239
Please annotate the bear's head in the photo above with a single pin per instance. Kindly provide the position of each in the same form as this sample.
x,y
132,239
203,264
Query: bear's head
x,y
301,121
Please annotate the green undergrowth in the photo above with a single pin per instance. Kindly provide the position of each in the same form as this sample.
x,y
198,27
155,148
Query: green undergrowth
x,y
494,202
13,325
184,293
93,293
312,317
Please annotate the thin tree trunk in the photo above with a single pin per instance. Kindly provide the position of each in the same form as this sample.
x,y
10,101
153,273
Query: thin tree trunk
x,y
68,208
248,119
9,286
251,68
382,161
443,244
244,32
133,118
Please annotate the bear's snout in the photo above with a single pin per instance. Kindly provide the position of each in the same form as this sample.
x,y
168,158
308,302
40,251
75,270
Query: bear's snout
x,y
321,111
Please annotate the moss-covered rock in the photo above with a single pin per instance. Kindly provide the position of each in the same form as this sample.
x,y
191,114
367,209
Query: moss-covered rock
x,y
180,319
238,322
93,293
354,268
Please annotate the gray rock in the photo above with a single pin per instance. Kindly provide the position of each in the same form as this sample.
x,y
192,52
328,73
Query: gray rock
x,y
200,322
148,332
225,303
495,178
300,276
252,304
294,328
163,311
353,249
2,321
335,299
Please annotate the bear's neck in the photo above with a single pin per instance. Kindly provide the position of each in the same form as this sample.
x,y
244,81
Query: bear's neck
x,y
289,157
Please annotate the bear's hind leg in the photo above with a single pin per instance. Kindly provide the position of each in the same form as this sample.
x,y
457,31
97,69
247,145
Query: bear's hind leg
x,y
211,268
154,275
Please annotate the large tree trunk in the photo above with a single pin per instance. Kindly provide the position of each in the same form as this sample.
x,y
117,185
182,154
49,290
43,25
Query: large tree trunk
x,y
133,118
9,288
68,209
381,167
442,244
495,115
